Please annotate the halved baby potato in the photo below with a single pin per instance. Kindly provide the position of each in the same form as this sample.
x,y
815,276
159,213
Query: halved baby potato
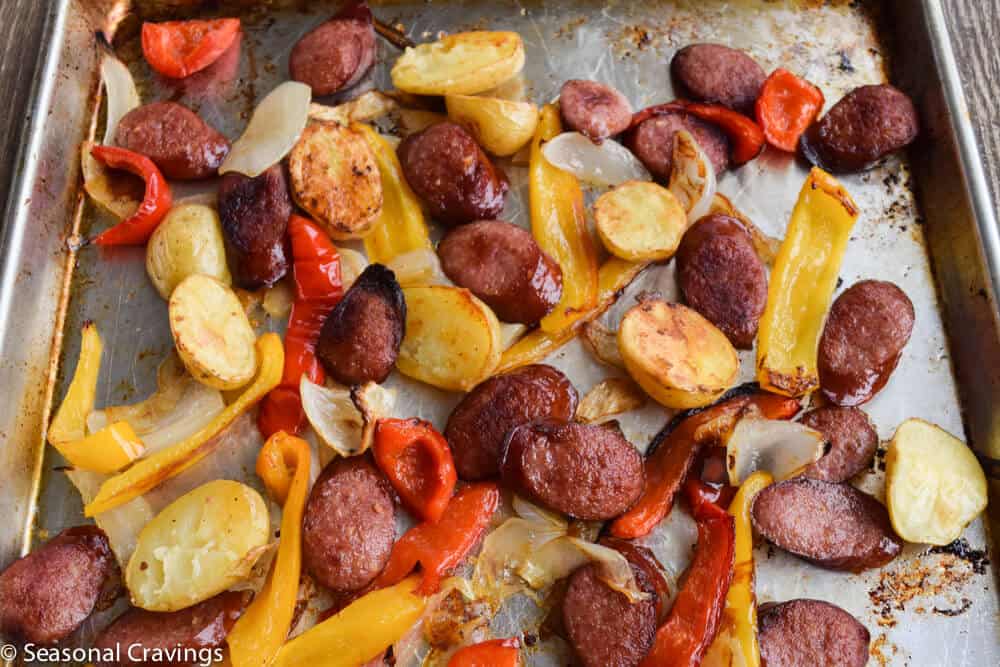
x,y
640,221
336,180
934,485
461,64
212,333
188,241
198,546
501,127
677,356
452,338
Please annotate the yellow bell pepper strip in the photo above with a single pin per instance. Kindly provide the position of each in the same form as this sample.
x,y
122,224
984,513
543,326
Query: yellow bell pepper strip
x,y
166,463
559,225
359,632
802,284
106,451
283,464
401,227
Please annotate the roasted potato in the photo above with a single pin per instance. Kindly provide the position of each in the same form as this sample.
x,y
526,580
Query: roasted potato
x,y
452,338
188,241
198,546
461,64
336,180
640,221
934,485
676,355
501,127
212,333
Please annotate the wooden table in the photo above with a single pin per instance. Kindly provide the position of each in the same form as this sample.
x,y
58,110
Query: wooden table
x,y
974,25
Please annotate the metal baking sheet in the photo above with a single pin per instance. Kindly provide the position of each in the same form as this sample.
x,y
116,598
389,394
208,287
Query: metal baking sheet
x,y
926,225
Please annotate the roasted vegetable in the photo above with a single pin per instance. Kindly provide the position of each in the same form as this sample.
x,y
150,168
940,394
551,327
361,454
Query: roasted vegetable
x,y
609,398
344,418
137,228
464,63
274,128
119,194
640,221
501,127
426,488
188,241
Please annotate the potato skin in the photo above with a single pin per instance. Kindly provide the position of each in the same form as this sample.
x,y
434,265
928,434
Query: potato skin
x,y
254,214
189,240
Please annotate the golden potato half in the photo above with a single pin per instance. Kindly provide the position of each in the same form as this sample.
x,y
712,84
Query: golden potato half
x,y
188,241
461,64
501,127
640,221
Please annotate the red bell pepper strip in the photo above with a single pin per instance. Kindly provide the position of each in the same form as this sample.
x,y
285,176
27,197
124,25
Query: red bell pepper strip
x,y
440,547
786,108
417,461
746,139
493,653
676,450
705,499
694,619
155,202
177,49
318,288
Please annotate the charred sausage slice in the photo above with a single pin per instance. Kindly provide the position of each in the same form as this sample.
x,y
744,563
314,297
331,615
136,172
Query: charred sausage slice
x,y
811,632
175,138
47,594
360,340
582,470
504,266
593,109
349,525
479,424
833,525
254,214
336,54
868,326
719,75
852,439
652,141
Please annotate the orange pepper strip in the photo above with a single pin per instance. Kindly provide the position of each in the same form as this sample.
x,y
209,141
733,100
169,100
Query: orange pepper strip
x,y
439,547
786,108
283,464
417,461
493,653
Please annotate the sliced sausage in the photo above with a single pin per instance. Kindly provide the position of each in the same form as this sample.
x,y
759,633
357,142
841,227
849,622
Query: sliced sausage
x,y
868,326
863,127
175,138
717,74
448,170
47,594
360,340
503,265
583,470
833,525
852,439
653,142
722,277
479,424
334,55
349,525
644,559
811,632
202,627
254,214
593,109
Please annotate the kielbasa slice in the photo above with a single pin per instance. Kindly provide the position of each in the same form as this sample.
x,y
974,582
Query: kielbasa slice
x,y
202,627
811,632
504,266
47,594
852,439
336,54
868,326
584,470
479,424
175,138
652,141
349,525
254,214
721,277
718,74
448,170
867,124
360,339
833,525
594,109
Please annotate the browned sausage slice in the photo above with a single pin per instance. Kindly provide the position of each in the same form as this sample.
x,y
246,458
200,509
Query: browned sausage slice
x,y
254,214
721,277
593,109
719,75
653,142
868,326
349,525
175,138
200,628
479,424
503,265
863,127
583,470
47,594
811,632
360,340
334,55
833,525
852,439
448,170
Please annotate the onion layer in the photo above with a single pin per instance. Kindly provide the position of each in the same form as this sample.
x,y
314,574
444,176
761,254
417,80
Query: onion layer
x,y
605,164
274,128
692,180
782,448
120,93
